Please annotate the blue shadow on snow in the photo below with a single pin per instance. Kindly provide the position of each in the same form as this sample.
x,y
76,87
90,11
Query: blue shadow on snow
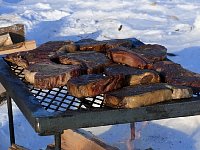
x,y
152,136
12,1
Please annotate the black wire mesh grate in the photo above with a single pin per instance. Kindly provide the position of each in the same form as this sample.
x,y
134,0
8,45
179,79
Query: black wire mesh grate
x,y
58,99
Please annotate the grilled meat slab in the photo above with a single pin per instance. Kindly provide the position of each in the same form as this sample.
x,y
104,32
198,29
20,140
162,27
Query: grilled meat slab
x,y
141,57
133,76
143,95
102,46
48,76
41,54
92,61
175,74
93,84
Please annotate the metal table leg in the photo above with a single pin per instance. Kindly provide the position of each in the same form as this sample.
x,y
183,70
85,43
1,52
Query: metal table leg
x,y
57,141
132,126
10,118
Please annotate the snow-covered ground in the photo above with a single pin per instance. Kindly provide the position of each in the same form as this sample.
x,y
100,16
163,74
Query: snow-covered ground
x,y
172,23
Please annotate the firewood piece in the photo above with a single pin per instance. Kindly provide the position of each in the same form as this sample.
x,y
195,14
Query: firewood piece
x,y
5,40
51,147
16,32
2,98
17,147
81,140
19,47
143,95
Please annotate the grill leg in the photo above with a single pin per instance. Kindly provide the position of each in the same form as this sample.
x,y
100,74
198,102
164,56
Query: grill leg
x,y
132,126
10,118
57,141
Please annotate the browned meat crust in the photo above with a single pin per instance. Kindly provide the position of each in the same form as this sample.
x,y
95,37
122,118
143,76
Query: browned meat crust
x,y
141,57
92,61
47,76
143,95
41,54
175,74
93,85
133,76
102,46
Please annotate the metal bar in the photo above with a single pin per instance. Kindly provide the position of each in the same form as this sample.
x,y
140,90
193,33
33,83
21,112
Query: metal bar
x,y
10,118
57,138
132,126
82,119
26,102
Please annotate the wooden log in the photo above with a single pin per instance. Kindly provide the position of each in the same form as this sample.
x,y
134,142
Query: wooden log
x,y
81,140
2,98
5,40
22,46
16,32
2,95
17,147
51,147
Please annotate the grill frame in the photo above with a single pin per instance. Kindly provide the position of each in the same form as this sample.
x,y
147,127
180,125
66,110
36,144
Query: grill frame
x,y
49,123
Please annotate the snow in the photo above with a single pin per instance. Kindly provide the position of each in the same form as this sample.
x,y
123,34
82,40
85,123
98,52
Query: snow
x,y
172,23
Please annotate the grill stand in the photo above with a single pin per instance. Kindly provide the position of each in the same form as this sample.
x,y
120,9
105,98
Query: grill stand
x,y
50,112
10,118
57,138
132,127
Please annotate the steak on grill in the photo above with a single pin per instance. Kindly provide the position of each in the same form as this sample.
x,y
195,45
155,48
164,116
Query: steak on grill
x,y
47,76
133,76
151,53
92,61
141,57
41,54
102,46
175,74
52,49
91,45
93,84
143,95
118,42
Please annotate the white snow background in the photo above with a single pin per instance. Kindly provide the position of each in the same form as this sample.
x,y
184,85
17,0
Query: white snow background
x,y
172,23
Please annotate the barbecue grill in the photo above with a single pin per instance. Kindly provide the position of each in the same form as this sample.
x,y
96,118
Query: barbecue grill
x,y
52,111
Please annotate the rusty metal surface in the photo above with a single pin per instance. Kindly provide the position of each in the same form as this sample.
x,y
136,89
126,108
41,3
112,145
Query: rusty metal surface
x,y
52,111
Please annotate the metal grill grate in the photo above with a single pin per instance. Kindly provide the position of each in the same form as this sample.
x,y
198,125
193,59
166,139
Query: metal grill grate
x,y
58,99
